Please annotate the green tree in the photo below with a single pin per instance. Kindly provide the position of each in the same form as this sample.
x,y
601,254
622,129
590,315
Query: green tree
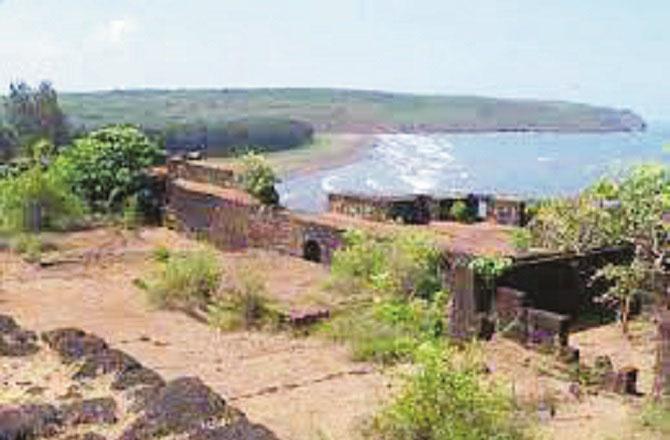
x,y
9,142
109,165
36,113
259,179
626,281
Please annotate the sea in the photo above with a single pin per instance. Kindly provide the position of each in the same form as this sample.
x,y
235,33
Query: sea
x,y
524,164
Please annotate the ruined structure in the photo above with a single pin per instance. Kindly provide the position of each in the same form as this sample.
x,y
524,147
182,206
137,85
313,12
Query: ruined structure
x,y
423,209
542,292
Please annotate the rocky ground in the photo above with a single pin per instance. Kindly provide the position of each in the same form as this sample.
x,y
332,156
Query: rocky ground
x,y
71,384
137,377
300,388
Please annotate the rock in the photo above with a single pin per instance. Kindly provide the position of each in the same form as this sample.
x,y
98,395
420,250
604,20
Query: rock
x,y
141,376
240,429
90,411
72,393
105,361
86,436
17,343
182,405
73,344
28,421
7,324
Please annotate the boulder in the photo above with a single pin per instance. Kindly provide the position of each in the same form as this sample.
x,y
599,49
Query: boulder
x,y
183,405
135,377
86,436
17,343
28,421
240,429
105,361
7,324
73,344
91,411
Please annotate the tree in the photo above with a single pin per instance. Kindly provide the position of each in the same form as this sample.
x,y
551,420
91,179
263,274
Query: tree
x,y
626,281
9,142
109,165
36,113
259,179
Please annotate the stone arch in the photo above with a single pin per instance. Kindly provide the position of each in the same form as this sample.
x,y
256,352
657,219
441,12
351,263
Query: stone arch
x,y
311,251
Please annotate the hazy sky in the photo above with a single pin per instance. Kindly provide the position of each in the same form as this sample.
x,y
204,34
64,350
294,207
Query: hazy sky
x,y
612,52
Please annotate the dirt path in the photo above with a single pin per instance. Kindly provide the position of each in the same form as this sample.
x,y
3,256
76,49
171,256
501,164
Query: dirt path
x,y
299,388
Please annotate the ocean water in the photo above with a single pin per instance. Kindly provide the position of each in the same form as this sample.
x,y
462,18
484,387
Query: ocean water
x,y
531,165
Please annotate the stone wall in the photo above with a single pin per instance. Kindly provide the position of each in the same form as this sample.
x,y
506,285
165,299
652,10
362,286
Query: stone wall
x,y
232,223
201,172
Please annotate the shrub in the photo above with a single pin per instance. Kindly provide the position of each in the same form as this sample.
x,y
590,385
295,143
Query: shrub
x,y
460,212
37,199
29,246
522,239
656,418
407,264
259,179
446,399
132,216
109,165
246,306
187,279
390,330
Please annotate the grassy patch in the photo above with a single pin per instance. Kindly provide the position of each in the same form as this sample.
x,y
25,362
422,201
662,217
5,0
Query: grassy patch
x,y
655,417
186,279
246,306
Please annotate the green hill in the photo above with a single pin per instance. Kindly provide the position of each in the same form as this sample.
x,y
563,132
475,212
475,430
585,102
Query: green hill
x,y
340,111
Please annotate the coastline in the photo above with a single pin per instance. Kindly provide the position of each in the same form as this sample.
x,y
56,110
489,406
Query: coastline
x,y
328,151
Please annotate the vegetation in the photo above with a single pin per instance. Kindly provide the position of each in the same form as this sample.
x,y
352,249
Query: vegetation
x,y
245,306
259,179
626,282
446,398
394,289
37,199
460,212
336,110
36,114
490,267
225,137
109,165
187,279
655,417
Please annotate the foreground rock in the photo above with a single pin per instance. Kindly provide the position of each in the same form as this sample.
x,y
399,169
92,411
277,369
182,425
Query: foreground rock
x,y
140,404
15,342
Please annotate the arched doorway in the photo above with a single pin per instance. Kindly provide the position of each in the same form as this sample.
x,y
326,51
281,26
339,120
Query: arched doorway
x,y
312,251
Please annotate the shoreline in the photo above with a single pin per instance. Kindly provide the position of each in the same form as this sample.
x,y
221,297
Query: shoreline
x,y
329,151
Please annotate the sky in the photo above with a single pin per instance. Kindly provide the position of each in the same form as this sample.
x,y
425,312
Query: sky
x,y
605,52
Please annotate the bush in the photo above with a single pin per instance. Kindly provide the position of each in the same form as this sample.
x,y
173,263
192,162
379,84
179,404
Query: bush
x,y
259,179
37,199
188,279
460,212
446,399
109,165
656,418
388,331
29,246
407,264
522,239
246,306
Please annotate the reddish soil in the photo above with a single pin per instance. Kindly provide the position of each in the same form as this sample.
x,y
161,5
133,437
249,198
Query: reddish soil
x,y
300,388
